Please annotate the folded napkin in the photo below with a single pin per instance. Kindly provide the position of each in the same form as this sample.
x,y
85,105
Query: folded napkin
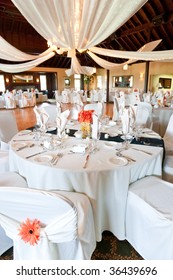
x,y
150,135
61,121
41,117
132,116
125,121
115,116
95,126
79,149
100,106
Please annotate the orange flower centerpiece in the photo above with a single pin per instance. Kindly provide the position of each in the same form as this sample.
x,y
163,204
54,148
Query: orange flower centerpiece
x,y
30,231
85,118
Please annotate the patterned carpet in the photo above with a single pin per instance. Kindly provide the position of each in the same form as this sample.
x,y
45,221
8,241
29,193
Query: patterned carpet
x,y
110,248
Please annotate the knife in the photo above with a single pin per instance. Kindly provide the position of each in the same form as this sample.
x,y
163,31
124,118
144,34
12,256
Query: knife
x,y
24,147
36,154
86,161
139,150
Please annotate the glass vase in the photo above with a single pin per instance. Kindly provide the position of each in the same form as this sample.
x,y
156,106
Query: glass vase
x,y
86,130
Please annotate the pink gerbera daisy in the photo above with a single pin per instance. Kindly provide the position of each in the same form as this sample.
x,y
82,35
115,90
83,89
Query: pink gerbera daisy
x,y
30,231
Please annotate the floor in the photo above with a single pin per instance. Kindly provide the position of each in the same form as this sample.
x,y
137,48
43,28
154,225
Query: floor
x,y
25,117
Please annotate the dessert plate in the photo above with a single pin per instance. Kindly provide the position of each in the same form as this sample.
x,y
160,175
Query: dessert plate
x,y
43,158
119,161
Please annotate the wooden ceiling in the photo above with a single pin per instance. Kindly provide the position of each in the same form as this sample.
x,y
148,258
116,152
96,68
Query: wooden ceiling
x,y
152,22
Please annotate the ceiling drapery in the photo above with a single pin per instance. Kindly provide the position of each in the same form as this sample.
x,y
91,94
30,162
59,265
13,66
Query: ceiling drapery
x,y
70,25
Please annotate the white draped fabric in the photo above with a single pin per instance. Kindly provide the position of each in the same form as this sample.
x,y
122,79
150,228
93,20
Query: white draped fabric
x,y
77,24
21,67
72,25
8,52
69,26
142,54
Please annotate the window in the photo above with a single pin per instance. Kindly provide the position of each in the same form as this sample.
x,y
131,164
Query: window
x,y
43,82
165,83
2,83
77,83
122,81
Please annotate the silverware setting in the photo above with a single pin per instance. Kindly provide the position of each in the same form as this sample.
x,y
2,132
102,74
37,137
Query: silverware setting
x,y
139,150
35,154
26,146
127,157
55,159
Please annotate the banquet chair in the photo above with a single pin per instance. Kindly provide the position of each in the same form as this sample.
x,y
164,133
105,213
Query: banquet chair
x,y
4,161
149,218
8,126
65,220
9,179
97,107
144,114
168,160
51,110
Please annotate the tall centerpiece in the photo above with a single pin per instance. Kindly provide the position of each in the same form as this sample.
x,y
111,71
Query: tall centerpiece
x,y
85,119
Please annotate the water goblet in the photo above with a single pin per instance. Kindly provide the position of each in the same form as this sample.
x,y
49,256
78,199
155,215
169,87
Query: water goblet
x,y
127,140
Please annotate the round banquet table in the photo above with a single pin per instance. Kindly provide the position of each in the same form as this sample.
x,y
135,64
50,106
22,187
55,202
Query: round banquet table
x,y
105,180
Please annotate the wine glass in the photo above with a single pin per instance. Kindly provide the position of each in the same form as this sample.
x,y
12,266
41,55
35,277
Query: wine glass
x,y
128,137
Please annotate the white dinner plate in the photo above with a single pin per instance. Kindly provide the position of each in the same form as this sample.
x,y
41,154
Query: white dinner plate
x,y
110,144
18,145
51,128
24,132
43,158
113,134
119,161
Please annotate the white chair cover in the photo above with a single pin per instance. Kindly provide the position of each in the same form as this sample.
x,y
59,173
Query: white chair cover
x,y
51,110
168,136
65,97
97,107
149,218
4,161
144,114
67,230
2,102
168,160
8,126
9,179
115,116
9,101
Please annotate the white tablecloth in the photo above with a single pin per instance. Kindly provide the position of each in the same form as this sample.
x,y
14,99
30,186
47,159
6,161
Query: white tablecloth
x,y
105,183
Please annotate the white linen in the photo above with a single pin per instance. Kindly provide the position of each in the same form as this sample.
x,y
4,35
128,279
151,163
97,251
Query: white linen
x,y
149,218
115,116
8,179
63,233
105,183
95,126
61,121
125,119
42,118
4,161
83,29
8,127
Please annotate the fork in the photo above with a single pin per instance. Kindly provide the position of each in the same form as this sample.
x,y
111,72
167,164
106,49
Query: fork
x,y
119,154
56,158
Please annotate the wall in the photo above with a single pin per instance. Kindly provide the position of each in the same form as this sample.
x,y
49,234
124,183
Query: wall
x,y
156,70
